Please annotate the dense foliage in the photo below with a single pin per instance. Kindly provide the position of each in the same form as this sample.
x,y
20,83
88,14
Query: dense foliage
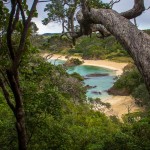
x,y
51,43
94,48
57,115
73,62
131,82
86,47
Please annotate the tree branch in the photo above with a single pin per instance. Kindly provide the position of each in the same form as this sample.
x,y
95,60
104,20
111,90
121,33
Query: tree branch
x,y
23,36
111,4
136,42
6,95
44,1
16,18
137,10
22,12
147,8
9,32
85,23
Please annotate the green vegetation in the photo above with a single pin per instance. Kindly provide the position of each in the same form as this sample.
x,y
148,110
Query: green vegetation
x,y
57,115
131,82
73,62
51,43
94,48
86,47
42,107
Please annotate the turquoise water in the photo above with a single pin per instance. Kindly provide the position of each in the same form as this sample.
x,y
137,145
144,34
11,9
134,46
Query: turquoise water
x,y
102,83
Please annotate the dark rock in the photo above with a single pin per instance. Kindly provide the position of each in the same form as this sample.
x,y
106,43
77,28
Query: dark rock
x,y
90,87
120,92
97,75
96,92
85,78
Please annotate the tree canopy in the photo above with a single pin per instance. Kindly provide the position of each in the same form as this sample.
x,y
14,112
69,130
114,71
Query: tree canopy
x,y
43,107
95,16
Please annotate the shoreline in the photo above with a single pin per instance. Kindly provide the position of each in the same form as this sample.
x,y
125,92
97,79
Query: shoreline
x,y
118,67
119,104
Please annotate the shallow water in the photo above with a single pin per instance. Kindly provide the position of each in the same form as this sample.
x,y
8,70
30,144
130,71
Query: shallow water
x,y
102,83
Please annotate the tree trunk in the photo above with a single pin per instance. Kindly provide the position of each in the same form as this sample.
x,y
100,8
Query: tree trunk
x,y
135,41
21,130
19,110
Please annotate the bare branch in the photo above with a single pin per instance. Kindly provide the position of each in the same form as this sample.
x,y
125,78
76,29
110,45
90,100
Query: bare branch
x,y
49,56
23,36
6,95
135,22
137,10
147,8
44,1
22,12
7,2
112,2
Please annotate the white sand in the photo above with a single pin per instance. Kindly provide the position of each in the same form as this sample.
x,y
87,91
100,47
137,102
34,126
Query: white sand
x,y
118,67
119,104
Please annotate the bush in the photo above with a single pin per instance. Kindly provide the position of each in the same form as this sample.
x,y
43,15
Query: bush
x,y
141,95
131,82
73,62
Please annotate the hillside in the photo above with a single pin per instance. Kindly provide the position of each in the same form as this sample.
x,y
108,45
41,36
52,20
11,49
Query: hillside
x,y
86,47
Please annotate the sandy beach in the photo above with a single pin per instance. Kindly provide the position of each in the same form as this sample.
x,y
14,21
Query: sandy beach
x,y
118,67
119,104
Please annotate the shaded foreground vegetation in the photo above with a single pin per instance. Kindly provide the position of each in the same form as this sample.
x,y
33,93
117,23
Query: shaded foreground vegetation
x,y
132,83
58,115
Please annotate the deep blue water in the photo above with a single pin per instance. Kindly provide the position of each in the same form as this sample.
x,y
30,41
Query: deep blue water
x,y
102,83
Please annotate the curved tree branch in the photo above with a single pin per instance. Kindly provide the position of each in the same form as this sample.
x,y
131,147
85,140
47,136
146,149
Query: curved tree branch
x,y
137,10
136,42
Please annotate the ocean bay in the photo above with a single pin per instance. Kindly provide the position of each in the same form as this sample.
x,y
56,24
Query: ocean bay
x,y
98,84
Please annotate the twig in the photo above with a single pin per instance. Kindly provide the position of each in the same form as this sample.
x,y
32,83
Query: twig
x,y
112,2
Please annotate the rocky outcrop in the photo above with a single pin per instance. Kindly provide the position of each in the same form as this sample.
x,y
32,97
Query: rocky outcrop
x,y
96,92
90,87
97,75
73,62
116,92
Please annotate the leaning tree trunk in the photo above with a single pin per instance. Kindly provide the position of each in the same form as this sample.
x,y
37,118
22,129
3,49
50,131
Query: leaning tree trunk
x,y
18,110
135,41
12,75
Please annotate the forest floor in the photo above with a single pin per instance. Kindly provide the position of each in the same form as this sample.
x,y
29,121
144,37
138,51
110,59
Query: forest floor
x,y
120,105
